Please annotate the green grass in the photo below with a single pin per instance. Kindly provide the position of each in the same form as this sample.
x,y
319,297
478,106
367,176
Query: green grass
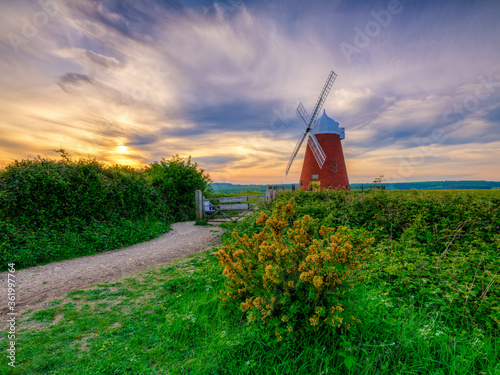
x,y
237,194
168,320
420,308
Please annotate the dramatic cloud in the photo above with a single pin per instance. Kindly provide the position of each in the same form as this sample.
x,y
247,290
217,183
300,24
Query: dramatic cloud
x,y
130,82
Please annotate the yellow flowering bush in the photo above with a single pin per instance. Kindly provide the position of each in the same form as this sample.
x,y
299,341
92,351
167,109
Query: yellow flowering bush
x,y
291,277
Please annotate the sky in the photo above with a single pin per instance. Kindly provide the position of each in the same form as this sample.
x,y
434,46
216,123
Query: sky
x,y
133,81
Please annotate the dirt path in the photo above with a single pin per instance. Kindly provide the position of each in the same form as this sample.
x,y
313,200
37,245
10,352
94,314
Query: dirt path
x,y
44,283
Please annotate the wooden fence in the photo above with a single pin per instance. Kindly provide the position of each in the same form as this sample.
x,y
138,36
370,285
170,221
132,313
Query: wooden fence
x,y
232,208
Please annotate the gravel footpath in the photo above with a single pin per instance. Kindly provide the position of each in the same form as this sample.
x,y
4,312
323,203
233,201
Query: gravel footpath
x,y
44,283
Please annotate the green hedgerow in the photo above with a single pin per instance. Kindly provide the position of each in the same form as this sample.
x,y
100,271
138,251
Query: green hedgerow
x,y
291,277
52,210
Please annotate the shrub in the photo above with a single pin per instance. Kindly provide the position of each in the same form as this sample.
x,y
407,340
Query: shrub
x,y
177,180
44,192
292,277
58,209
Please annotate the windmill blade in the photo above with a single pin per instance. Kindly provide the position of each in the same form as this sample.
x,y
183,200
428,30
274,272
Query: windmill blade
x,y
317,150
313,143
322,97
302,114
296,150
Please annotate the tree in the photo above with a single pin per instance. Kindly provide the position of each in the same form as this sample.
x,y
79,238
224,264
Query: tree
x,y
177,180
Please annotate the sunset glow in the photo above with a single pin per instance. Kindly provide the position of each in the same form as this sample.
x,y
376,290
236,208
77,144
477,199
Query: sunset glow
x,y
418,87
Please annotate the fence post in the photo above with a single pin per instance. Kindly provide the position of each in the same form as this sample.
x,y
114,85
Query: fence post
x,y
200,205
270,194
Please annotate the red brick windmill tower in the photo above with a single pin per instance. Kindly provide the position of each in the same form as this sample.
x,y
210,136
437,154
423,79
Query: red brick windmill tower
x,y
324,163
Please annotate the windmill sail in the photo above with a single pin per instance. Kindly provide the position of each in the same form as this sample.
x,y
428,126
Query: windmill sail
x,y
318,152
322,97
302,114
313,143
295,151
316,149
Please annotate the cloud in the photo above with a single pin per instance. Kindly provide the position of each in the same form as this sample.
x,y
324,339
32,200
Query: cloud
x,y
135,81
116,18
233,115
107,62
142,139
73,79
216,160
492,115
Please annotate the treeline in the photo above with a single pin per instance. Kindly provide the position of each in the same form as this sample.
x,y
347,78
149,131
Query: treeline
x,y
433,185
227,188
59,209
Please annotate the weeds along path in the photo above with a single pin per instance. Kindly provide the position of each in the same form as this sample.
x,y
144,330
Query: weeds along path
x,y
44,283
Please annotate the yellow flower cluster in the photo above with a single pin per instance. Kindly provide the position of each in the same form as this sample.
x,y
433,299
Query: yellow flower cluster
x,y
314,321
317,281
291,270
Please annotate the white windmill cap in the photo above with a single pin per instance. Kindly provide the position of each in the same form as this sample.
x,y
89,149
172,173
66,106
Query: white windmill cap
x,y
325,124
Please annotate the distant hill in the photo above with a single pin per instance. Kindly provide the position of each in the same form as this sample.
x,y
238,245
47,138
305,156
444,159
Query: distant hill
x,y
427,185
434,185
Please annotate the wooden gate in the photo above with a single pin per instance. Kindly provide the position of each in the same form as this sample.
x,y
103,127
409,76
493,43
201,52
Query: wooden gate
x,y
232,208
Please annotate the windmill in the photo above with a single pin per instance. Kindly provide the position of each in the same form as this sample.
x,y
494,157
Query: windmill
x,y
323,146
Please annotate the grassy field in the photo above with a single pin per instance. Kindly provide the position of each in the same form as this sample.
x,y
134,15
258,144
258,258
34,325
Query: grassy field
x,y
422,306
242,194
491,193
168,321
